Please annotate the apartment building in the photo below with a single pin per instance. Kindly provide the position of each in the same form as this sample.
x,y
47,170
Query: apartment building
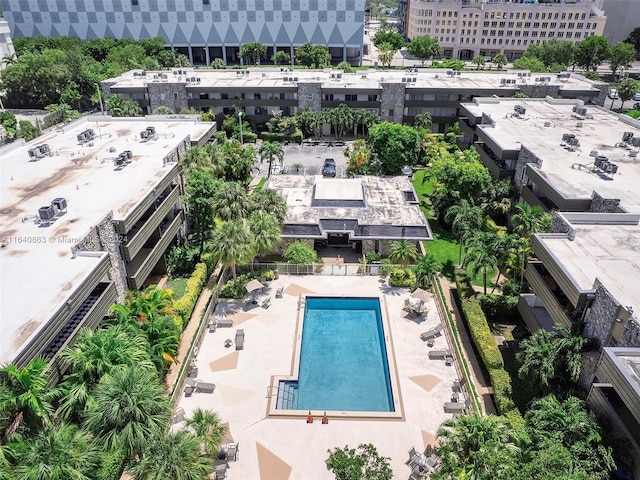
x,y
396,96
561,154
6,43
201,29
466,28
87,211
584,276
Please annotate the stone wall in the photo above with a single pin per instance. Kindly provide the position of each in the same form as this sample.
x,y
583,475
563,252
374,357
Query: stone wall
x,y
631,335
170,94
392,98
599,204
600,319
540,90
524,156
105,238
310,96
559,224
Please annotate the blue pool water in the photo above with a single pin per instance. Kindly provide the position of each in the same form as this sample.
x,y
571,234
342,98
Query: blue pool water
x,y
343,359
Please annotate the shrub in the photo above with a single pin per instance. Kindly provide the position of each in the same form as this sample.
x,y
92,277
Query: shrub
x,y
499,308
402,277
209,260
295,137
301,253
111,465
181,260
185,305
233,289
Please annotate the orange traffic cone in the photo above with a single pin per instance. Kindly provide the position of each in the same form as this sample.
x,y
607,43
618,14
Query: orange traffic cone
x,y
325,419
309,418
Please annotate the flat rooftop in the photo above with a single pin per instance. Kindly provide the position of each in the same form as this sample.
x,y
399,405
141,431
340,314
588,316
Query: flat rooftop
x,y
607,252
37,269
540,130
362,79
370,200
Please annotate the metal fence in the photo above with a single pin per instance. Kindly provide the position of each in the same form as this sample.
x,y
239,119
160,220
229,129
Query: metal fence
x,y
346,269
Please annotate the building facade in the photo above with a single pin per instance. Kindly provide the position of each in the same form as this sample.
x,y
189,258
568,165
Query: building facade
x,y
6,43
467,28
201,29
89,212
396,96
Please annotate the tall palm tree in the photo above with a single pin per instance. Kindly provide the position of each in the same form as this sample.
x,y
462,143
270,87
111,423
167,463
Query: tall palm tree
x,y
93,355
173,456
538,355
266,232
465,219
197,158
30,395
130,408
266,200
342,119
60,452
207,427
230,202
403,252
426,267
481,257
232,242
423,120
271,151
503,246
475,446
366,118
530,219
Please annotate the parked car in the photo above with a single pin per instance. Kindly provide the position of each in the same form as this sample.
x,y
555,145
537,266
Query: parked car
x,y
613,93
636,97
329,168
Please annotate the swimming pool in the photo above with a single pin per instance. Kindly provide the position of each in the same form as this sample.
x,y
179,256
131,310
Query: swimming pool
x,y
343,363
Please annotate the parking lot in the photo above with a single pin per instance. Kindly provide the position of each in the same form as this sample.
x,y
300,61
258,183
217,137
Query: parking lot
x,y
307,159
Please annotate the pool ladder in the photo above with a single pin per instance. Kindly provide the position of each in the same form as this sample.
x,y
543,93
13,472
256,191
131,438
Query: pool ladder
x,y
286,396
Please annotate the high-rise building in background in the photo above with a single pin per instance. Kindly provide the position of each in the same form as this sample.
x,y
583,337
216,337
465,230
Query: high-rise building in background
x,y
201,29
466,28
6,44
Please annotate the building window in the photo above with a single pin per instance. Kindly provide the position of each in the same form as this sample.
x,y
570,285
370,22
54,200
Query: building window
x,y
545,25
572,26
175,95
134,2
328,97
391,112
205,2
373,98
553,25
351,98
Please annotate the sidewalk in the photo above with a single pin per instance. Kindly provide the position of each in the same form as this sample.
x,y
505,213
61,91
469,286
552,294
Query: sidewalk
x,y
483,385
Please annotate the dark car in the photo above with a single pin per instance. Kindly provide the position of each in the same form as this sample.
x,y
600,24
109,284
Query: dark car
x,y
329,168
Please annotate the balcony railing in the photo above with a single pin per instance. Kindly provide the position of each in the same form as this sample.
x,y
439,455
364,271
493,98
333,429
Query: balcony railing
x,y
551,304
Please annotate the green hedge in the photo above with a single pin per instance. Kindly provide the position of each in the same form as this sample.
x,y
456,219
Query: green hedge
x,y
282,137
210,262
185,305
486,345
111,465
402,277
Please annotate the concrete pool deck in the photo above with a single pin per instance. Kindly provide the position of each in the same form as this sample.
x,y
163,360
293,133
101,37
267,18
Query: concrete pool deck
x,y
279,448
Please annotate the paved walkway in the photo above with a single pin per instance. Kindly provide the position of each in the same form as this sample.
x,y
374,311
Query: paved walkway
x,y
483,385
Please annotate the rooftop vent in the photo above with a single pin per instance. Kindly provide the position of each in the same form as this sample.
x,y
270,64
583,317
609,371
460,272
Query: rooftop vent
x,y
627,136
40,151
520,110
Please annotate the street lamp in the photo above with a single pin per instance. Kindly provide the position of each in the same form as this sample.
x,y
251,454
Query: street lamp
x,y
100,98
240,122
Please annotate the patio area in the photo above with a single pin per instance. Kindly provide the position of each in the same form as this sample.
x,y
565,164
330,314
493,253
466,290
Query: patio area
x,y
291,448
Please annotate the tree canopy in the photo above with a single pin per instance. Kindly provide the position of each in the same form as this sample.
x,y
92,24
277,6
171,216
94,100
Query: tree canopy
x,y
394,39
622,57
252,52
313,56
395,146
423,48
591,52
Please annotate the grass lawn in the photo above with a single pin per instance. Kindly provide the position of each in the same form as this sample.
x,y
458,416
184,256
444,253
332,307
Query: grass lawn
x,y
444,245
178,285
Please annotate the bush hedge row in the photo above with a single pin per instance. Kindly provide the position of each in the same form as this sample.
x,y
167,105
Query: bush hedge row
x,y
485,343
295,137
184,305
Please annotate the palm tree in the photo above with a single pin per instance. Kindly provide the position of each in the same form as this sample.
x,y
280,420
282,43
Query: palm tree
x,y
478,61
342,119
207,427
266,200
403,252
93,355
386,52
426,267
530,219
173,456
30,396
130,408
481,257
230,202
464,219
475,446
271,151
60,452
500,60
503,246
266,232
197,158
366,118
232,243
496,199
538,355
423,120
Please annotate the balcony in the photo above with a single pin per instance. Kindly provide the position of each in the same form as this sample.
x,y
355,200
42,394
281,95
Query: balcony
x,y
497,167
139,234
467,130
544,293
140,268
531,199
534,314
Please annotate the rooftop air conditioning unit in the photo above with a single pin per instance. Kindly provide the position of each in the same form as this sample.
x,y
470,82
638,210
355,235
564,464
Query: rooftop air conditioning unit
x,y
59,204
635,141
627,136
46,214
503,81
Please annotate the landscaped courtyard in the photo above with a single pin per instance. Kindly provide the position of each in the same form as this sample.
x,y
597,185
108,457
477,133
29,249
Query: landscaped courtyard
x,y
279,448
